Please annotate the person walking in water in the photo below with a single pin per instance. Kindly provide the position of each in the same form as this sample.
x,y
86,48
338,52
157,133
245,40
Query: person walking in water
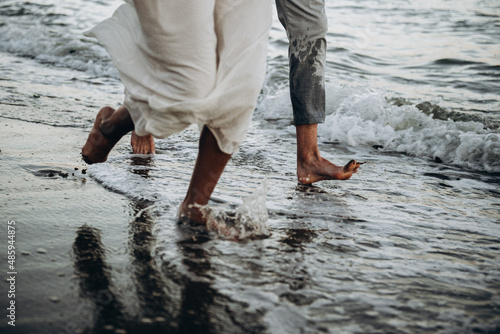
x,y
306,26
182,63
186,63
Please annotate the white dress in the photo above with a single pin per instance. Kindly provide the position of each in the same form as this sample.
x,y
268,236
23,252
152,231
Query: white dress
x,y
188,62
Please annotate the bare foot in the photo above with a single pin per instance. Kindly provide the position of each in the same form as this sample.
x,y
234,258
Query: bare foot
x,y
98,146
194,213
109,126
319,169
142,144
311,167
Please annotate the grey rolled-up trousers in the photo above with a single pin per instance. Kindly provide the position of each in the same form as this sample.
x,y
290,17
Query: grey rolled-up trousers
x,y
306,26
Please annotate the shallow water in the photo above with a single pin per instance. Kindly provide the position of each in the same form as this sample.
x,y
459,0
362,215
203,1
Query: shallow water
x,y
406,246
409,244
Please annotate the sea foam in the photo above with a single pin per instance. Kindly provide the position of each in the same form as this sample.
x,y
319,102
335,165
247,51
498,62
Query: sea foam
x,y
362,116
59,47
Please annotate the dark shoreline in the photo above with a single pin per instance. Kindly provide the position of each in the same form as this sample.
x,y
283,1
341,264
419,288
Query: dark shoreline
x,y
85,256
45,190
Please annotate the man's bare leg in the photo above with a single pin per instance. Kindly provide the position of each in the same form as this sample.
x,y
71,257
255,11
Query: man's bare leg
x,y
142,144
109,126
311,167
209,166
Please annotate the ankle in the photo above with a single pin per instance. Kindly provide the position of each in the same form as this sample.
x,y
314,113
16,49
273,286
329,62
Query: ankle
x,y
308,157
108,129
113,129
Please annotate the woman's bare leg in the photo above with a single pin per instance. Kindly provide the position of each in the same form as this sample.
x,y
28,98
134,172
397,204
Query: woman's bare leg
x,y
311,167
109,126
209,166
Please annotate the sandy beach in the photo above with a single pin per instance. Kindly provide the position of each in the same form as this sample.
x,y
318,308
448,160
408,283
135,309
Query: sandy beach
x,y
410,244
85,256
46,191
91,260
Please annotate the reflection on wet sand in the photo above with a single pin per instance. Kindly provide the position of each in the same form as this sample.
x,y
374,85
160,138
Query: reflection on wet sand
x,y
170,300
181,292
296,237
142,166
156,301
102,308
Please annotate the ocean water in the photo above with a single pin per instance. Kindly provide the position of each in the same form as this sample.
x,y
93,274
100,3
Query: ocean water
x,y
409,245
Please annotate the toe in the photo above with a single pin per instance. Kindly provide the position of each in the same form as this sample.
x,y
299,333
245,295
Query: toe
x,y
350,166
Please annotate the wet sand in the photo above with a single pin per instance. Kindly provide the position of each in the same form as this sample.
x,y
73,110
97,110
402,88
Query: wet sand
x,y
90,260
46,191
85,255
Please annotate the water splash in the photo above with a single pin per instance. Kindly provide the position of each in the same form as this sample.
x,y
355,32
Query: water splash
x,y
245,221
